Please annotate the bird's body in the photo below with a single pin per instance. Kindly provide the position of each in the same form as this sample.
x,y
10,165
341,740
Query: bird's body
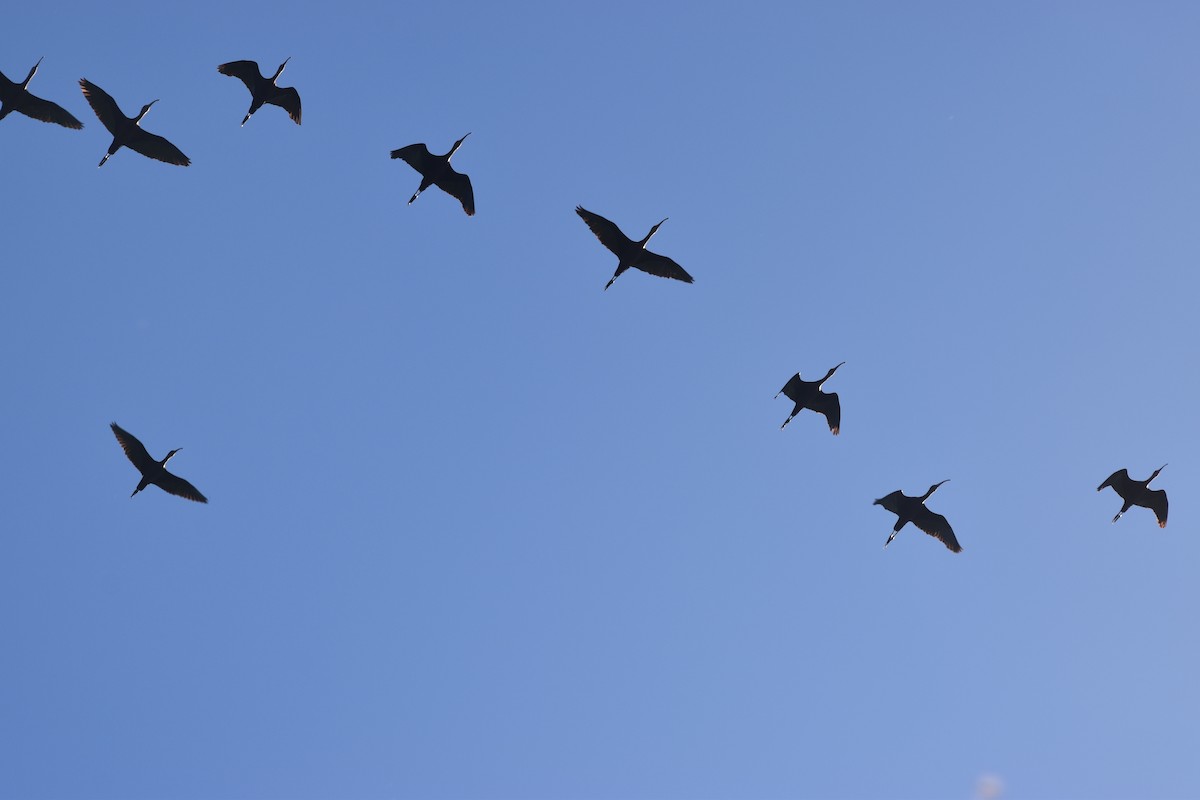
x,y
127,131
630,253
808,394
16,97
1138,493
913,509
263,89
436,171
154,472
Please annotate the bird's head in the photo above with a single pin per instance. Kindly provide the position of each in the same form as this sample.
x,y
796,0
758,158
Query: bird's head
x,y
171,455
32,72
458,144
1155,475
279,71
933,489
653,231
145,108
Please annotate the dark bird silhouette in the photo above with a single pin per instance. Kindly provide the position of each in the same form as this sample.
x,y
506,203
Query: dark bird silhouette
x,y
16,97
263,89
630,253
154,471
912,509
126,131
1138,493
808,394
436,171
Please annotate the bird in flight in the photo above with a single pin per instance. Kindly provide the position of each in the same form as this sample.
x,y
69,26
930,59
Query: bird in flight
x,y
912,509
127,131
154,472
16,97
263,89
436,171
808,394
630,253
1138,493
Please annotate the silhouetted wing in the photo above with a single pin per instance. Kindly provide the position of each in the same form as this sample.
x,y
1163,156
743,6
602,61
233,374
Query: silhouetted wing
x,y
134,450
1156,501
458,186
102,103
39,109
289,100
1119,481
662,266
829,405
416,156
793,388
245,71
936,526
156,147
606,231
178,486
893,501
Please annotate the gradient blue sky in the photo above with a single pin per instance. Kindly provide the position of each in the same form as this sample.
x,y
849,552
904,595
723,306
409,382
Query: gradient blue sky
x,y
479,529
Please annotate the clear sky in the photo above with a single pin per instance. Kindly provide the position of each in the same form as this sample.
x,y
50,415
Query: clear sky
x,y
479,529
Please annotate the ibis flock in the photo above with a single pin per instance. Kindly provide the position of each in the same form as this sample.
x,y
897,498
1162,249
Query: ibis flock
x,y
436,171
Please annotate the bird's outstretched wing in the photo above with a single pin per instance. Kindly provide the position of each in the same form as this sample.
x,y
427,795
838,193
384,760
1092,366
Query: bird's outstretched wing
x,y
829,405
416,156
178,486
892,501
606,231
1119,481
135,451
289,100
245,71
1156,501
936,526
792,388
458,186
102,103
662,266
156,147
46,111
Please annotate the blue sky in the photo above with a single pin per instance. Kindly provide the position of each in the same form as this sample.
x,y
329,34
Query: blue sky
x,y
478,528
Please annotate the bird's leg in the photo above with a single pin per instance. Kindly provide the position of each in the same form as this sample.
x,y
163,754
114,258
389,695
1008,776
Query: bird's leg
x,y
414,197
786,421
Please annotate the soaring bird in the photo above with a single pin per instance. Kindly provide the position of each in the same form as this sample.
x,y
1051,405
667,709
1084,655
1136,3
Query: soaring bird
x,y
126,131
912,509
808,394
1138,493
154,471
15,97
263,89
436,171
630,253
